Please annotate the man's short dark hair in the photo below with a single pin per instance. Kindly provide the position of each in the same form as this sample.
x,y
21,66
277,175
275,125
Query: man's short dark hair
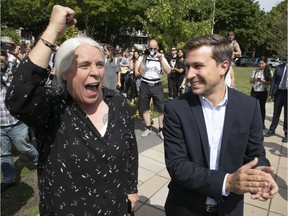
x,y
221,49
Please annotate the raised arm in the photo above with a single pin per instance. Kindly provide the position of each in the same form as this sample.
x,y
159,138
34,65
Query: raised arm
x,y
164,64
26,98
61,19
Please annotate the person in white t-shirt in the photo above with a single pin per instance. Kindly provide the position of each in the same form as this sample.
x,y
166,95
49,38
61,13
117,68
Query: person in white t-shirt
x,y
151,67
260,80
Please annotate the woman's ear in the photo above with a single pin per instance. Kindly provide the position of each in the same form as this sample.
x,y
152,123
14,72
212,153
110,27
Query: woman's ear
x,y
63,76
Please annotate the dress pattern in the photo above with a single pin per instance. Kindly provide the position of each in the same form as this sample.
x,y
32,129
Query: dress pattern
x,y
80,172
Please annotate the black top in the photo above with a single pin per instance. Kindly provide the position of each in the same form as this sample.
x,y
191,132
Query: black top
x,y
80,172
179,76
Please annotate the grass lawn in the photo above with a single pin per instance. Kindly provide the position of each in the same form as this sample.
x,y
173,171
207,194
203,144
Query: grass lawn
x,y
242,77
22,199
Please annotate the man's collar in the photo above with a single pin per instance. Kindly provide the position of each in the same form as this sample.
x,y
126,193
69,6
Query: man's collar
x,y
223,102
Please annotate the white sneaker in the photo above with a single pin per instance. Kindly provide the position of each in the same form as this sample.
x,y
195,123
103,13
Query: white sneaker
x,y
146,132
160,134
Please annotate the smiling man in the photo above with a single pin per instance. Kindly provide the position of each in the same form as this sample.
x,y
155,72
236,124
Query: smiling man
x,y
213,139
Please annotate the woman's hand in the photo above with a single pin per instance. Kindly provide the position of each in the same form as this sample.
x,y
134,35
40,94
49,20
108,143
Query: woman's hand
x,y
133,199
61,19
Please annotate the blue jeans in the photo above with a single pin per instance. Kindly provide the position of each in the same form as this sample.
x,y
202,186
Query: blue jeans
x,y
17,135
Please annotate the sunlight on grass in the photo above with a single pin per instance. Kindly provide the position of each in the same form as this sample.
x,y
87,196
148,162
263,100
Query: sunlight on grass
x,y
242,77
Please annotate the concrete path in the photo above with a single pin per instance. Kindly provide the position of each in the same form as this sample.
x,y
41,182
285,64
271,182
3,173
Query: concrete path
x,y
153,177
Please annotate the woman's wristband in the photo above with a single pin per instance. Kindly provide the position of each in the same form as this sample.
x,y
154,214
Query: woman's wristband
x,y
53,47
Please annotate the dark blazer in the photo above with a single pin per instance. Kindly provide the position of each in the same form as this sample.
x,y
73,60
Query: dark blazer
x,y
276,79
187,152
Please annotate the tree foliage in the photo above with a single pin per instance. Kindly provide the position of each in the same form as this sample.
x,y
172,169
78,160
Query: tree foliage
x,y
277,25
171,22
9,32
244,18
165,20
71,32
33,15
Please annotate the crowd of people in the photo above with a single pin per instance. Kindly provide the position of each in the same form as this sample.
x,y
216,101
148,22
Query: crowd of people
x,y
85,130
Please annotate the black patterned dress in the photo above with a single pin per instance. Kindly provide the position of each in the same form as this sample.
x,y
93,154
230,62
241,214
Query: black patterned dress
x,y
80,173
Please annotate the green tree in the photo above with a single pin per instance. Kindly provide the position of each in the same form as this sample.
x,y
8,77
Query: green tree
x,y
33,15
104,20
71,32
277,26
173,24
169,22
244,18
10,32
99,18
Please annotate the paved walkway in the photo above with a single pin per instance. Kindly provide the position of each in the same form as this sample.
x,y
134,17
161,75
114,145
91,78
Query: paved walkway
x,y
153,177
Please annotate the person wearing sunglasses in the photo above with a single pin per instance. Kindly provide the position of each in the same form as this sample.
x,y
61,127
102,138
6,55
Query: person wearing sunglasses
x,y
172,58
151,67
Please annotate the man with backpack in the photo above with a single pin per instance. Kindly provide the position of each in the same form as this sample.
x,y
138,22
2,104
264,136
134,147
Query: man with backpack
x,y
151,68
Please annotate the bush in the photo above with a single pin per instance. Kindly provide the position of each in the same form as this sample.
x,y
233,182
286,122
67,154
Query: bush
x,y
9,32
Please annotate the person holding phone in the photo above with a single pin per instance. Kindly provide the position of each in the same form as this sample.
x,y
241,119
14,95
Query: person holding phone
x,y
13,51
7,46
151,67
260,80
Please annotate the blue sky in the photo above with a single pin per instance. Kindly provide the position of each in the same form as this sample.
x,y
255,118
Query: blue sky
x,y
268,4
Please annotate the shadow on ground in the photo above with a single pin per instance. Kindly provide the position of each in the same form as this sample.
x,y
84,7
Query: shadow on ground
x,y
144,208
17,196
